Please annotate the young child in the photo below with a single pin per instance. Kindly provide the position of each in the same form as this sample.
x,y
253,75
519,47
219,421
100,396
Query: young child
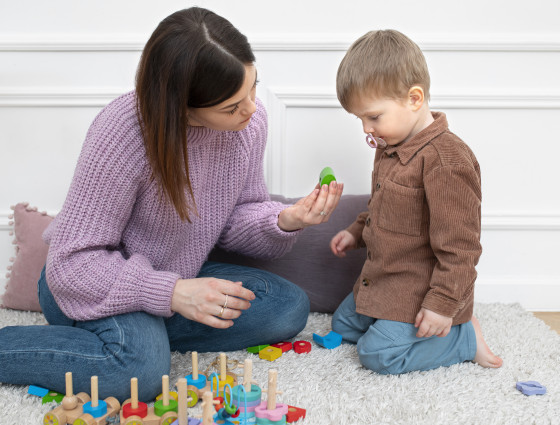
x,y
411,308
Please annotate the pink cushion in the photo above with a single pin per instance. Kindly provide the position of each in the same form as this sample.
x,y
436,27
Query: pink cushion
x,y
31,254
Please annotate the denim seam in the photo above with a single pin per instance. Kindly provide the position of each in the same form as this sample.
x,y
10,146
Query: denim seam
x,y
392,337
113,354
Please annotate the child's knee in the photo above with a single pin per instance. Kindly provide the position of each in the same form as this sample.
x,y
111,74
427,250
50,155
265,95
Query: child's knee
x,y
382,355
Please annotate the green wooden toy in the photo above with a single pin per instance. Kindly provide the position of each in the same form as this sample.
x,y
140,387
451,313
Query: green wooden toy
x,y
326,176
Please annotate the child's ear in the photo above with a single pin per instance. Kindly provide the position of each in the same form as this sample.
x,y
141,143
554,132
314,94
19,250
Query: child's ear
x,y
416,97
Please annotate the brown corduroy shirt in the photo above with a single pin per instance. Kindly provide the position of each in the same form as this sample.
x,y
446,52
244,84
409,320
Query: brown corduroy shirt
x,y
422,229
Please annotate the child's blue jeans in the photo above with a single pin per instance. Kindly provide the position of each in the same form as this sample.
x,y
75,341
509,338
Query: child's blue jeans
x,y
121,347
388,347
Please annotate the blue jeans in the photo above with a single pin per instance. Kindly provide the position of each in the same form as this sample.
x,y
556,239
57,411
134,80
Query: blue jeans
x,y
390,348
138,344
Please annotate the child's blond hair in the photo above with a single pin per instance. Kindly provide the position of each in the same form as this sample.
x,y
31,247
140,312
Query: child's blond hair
x,y
385,63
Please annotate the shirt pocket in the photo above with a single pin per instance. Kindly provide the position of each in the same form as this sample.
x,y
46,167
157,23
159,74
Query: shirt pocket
x,y
401,209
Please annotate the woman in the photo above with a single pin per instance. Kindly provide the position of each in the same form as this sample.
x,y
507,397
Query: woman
x,y
166,172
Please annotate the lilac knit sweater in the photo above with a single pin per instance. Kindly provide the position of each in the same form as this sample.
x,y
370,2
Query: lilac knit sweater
x,y
116,247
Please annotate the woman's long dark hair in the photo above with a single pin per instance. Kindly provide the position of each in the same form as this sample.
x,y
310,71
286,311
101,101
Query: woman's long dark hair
x,y
196,59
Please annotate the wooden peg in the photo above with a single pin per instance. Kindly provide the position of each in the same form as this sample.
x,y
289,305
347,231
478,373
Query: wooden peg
x,y
272,384
70,401
208,403
94,393
247,375
195,365
134,393
69,387
165,389
223,366
182,407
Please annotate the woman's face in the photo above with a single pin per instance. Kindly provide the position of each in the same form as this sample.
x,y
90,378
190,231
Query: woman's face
x,y
233,114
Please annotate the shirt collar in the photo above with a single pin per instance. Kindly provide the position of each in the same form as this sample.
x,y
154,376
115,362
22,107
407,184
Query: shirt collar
x,y
407,150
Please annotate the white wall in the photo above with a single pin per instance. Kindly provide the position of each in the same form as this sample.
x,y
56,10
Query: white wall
x,y
494,66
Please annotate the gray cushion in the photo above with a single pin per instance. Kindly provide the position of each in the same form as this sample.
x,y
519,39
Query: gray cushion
x,y
310,264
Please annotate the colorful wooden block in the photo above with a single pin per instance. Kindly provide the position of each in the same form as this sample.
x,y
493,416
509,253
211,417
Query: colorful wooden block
x,y
257,348
284,346
38,391
199,383
330,340
294,414
52,396
301,347
270,353
530,388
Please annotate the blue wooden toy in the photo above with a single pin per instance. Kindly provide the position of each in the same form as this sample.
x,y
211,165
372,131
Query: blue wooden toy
x,y
530,388
38,391
331,340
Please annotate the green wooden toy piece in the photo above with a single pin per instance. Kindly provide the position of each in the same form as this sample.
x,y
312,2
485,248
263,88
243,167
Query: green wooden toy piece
x,y
52,396
326,176
257,348
160,409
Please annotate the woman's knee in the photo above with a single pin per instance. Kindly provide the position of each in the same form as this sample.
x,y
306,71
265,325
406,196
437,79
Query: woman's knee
x,y
138,348
147,368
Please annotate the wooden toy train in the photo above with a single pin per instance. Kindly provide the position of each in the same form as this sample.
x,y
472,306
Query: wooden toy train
x,y
223,402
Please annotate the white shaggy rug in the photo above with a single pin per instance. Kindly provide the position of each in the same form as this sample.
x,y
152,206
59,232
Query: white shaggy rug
x,y
334,389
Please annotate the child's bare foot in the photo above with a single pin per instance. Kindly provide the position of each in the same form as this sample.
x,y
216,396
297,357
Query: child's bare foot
x,y
484,357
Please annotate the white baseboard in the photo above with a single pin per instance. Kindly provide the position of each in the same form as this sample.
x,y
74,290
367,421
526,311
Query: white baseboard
x,y
534,294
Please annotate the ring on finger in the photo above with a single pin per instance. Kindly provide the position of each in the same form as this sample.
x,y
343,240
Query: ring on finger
x,y
225,303
323,213
221,312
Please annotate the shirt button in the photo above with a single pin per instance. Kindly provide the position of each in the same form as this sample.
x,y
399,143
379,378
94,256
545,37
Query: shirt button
x,y
365,282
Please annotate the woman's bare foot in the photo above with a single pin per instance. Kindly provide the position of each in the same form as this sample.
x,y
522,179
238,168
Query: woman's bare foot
x,y
484,357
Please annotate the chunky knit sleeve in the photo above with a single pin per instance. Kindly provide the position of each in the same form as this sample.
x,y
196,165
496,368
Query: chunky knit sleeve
x,y
252,228
87,271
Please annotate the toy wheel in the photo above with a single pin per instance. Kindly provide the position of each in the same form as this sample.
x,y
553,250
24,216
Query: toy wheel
x,y
133,420
193,394
85,419
54,418
172,394
113,405
168,418
83,397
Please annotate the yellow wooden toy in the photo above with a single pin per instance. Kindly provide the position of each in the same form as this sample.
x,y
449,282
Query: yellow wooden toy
x,y
270,353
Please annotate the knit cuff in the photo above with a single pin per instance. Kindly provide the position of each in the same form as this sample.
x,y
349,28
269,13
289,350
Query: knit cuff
x,y
157,292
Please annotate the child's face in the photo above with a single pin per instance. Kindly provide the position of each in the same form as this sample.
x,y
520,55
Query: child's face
x,y
393,120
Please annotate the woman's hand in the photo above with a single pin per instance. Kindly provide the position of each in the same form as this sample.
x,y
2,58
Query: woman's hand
x,y
315,208
341,242
213,302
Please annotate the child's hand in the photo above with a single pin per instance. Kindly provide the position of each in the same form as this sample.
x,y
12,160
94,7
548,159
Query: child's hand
x,y
342,242
430,323
315,208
